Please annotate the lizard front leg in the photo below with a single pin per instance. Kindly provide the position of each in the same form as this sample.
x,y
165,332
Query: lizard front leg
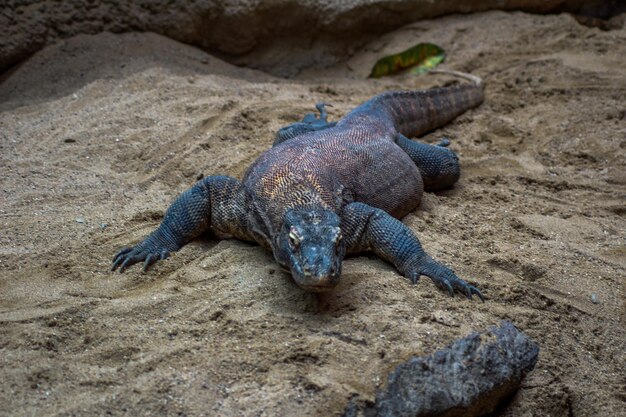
x,y
216,203
369,228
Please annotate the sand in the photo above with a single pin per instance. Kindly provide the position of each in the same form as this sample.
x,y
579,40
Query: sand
x,y
99,133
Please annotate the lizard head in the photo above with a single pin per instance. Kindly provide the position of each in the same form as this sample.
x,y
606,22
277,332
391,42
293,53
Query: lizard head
x,y
311,246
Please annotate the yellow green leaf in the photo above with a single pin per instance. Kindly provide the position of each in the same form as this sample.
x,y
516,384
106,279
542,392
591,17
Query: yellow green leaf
x,y
421,58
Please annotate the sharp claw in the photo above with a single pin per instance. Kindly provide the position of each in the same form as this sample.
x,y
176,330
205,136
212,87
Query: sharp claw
x,y
121,252
320,106
125,264
445,142
130,256
468,292
116,263
446,279
147,262
478,293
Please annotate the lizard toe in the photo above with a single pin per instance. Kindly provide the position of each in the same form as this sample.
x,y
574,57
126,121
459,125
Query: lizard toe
x,y
447,280
448,287
476,291
444,143
467,289
130,256
117,262
128,261
414,277
121,252
150,259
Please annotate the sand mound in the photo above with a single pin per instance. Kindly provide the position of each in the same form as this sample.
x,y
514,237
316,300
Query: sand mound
x,y
100,133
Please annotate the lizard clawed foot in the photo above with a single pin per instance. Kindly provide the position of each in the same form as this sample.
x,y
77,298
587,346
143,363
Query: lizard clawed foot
x,y
321,120
310,123
444,143
321,107
130,256
446,279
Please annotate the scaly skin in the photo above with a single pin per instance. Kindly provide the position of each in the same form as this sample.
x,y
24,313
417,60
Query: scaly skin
x,y
327,189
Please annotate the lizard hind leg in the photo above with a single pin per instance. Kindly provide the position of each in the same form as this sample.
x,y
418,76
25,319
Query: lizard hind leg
x,y
438,165
310,123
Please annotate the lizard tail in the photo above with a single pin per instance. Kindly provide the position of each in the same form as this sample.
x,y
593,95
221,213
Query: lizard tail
x,y
414,113
473,78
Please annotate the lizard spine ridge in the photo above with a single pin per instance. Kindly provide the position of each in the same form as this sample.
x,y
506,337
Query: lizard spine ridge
x,y
413,113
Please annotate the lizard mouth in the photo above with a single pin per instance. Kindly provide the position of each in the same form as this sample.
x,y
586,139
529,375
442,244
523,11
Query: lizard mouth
x,y
317,283
318,288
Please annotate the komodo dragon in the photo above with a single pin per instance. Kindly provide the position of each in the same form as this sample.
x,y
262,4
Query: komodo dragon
x,y
325,190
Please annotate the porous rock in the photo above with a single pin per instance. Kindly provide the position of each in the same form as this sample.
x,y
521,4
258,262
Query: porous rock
x,y
470,377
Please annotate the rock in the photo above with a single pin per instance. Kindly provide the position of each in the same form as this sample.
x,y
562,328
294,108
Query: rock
x,y
470,377
239,27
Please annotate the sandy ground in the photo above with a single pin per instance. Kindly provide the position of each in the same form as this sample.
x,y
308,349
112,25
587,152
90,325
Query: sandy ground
x,y
99,133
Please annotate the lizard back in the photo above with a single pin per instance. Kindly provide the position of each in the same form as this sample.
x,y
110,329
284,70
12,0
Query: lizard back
x,y
358,159
334,167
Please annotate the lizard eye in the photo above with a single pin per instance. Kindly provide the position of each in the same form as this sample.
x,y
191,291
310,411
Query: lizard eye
x,y
294,238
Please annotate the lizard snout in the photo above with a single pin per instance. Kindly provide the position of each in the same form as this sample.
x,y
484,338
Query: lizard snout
x,y
318,272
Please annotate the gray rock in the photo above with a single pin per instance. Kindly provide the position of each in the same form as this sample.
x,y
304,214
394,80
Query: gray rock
x,y
238,27
470,377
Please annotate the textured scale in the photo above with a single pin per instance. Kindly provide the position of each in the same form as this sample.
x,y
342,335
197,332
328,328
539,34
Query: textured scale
x,y
358,159
321,181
